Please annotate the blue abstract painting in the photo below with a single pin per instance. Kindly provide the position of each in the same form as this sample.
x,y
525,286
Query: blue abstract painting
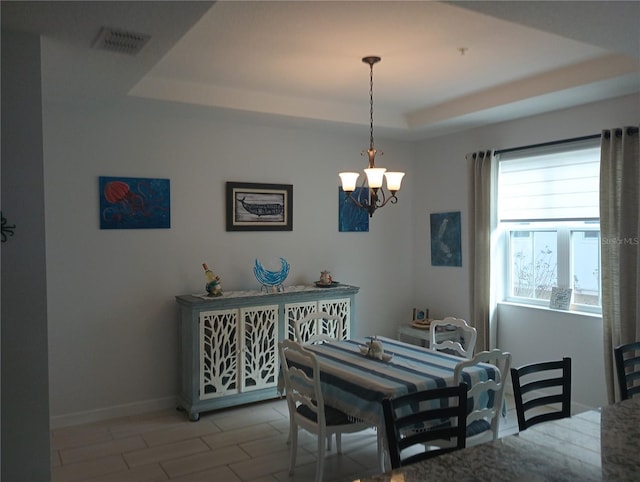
x,y
351,218
134,203
446,239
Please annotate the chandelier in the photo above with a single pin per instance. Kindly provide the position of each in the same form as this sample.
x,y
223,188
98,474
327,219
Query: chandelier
x,y
375,196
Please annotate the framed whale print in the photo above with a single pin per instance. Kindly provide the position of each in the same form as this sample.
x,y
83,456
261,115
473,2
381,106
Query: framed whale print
x,y
259,207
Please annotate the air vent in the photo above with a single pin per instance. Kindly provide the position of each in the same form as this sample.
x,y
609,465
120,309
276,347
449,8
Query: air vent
x,y
120,41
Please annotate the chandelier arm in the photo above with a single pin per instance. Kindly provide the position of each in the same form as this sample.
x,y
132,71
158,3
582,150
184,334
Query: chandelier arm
x,y
383,201
391,199
357,200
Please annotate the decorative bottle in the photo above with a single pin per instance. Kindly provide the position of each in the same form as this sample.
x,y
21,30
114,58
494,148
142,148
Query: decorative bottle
x,y
213,286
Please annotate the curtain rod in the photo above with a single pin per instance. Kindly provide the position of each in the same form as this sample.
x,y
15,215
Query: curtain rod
x,y
545,144
607,133
630,131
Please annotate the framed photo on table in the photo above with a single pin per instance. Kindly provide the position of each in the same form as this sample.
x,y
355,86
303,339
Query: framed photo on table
x,y
560,298
421,315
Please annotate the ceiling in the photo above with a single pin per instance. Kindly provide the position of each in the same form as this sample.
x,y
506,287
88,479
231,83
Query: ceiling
x,y
446,66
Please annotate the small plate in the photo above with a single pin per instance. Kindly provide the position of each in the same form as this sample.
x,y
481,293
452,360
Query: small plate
x,y
421,326
327,285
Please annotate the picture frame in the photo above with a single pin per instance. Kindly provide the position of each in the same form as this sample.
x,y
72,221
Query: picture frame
x,y
134,202
254,206
420,314
560,298
446,239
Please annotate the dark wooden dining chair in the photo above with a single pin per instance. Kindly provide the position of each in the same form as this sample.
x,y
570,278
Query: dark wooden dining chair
x,y
414,420
628,369
542,392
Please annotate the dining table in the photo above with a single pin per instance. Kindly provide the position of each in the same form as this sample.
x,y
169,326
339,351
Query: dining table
x,y
356,383
601,444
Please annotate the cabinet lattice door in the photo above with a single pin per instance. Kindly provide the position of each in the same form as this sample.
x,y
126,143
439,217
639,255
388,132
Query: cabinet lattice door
x,y
296,311
259,347
336,307
340,308
219,353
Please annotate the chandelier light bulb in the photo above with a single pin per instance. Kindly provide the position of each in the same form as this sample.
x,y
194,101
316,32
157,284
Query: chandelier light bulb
x,y
375,176
394,180
349,180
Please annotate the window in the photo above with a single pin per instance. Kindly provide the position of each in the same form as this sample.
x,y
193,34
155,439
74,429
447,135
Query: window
x,y
548,222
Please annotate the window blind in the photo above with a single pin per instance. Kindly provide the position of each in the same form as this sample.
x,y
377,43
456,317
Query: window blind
x,y
550,183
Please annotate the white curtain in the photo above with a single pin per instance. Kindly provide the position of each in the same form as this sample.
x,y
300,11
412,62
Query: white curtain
x,y
482,220
620,231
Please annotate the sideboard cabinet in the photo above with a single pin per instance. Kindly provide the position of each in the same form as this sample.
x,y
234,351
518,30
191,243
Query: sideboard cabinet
x,y
229,344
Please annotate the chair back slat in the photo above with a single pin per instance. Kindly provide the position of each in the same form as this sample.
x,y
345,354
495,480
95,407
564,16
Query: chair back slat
x,y
415,419
486,397
627,359
301,378
462,345
318,327
538,385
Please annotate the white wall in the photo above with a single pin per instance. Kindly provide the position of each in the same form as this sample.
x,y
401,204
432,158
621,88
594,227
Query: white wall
x,y
534,335
112,313
442,170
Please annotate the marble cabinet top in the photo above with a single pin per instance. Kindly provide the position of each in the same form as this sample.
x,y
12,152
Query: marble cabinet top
x,y
597,445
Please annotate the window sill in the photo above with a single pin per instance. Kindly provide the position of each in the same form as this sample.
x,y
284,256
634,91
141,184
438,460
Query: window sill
x,y
588,314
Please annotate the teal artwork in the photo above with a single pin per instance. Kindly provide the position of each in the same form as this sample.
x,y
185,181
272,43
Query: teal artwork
x,y
446,239
351,218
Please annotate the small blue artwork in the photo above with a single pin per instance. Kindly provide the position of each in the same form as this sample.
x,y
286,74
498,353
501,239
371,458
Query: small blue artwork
x,y
351,218
446,239
134,203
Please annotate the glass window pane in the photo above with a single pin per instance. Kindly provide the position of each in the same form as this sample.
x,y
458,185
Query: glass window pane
x,y
585,267
534,264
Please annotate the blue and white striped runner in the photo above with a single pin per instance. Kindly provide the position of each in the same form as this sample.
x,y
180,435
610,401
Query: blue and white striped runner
x,y
357,384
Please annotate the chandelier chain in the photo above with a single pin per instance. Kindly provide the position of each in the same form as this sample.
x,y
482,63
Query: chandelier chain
x,y
371,194
371,106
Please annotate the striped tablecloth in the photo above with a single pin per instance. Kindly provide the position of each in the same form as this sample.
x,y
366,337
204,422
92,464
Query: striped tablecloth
x,y
357,384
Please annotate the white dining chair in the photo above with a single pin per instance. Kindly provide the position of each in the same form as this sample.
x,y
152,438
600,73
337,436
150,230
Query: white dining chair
x,y
307,409
485,397
464,340
318,327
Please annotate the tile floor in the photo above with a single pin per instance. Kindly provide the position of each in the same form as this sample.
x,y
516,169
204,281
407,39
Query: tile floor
x,y
238,444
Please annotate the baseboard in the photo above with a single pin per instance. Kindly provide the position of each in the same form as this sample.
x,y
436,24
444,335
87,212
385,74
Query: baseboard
x,y
107,413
